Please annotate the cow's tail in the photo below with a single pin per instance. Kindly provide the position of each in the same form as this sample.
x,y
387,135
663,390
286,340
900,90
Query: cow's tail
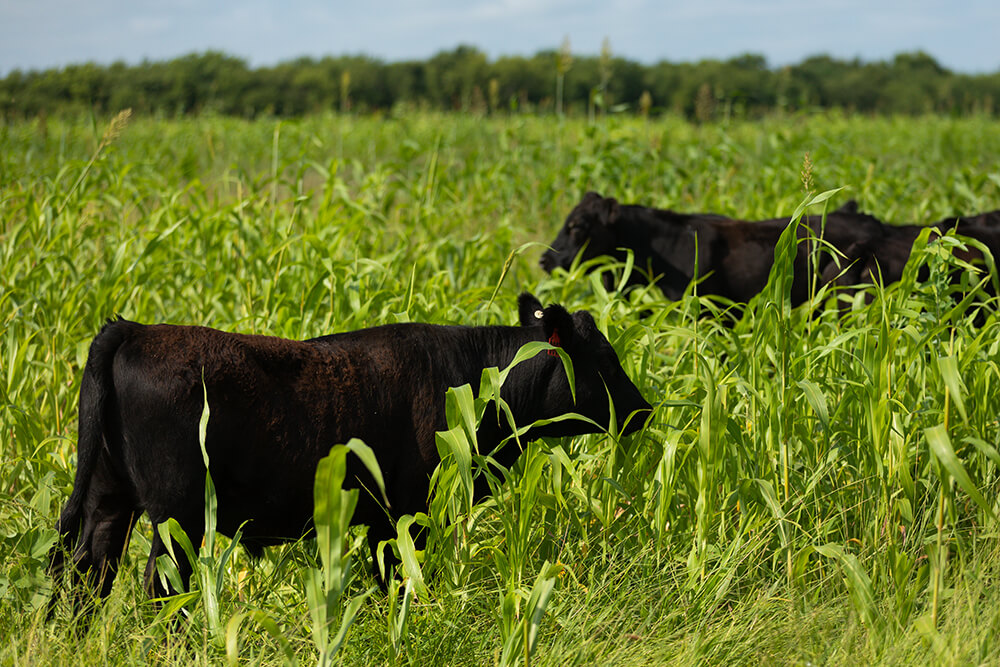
x,y
96,390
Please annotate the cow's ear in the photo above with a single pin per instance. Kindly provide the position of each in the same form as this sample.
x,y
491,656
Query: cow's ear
x,y
529,309
849,206
609,210
558,326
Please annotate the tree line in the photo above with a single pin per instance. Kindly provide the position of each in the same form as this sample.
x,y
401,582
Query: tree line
x,y
465,79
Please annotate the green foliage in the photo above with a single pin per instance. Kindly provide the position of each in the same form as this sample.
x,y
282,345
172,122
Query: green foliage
x,y
209,568
817,484
327,585
463,79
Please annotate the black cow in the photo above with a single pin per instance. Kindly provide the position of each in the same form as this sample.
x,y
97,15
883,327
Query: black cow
x,y
277,406
873,260
734,257
884,259
987,220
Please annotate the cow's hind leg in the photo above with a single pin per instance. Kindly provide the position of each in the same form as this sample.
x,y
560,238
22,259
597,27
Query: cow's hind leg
x,y
108,520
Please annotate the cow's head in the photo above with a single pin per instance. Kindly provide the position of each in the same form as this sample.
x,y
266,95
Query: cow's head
x,y
598,373
590,227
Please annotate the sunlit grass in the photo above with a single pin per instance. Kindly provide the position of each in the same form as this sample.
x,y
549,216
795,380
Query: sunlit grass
x,y
814,487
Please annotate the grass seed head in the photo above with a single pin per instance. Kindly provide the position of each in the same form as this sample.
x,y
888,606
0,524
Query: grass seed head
x,y
116,127
807,173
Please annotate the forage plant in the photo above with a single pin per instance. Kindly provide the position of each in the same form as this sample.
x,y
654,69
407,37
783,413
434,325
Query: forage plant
x,y
816,485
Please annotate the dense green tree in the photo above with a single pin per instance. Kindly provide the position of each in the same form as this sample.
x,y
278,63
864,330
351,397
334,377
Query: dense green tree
x,y
452,76
464,79
522,78
405,82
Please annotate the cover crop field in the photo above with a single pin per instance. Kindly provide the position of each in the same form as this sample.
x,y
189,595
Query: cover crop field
x,y
813,488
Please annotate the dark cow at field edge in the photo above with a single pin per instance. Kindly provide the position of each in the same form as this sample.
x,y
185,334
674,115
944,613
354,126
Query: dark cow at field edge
x,y
277,407
732,257
883,259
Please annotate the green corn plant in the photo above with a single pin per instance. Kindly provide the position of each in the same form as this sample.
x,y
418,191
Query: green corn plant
x,y
520,628
400,596
453,482
208,567
451,520
519,517
949,468
326,586
407,552
859,585
708,449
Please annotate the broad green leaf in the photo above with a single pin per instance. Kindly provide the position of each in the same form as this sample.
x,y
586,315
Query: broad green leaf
x,y
814,395
408,556
171,529
349,614
948,366
454,442
203,422
940,445
367,456
858,583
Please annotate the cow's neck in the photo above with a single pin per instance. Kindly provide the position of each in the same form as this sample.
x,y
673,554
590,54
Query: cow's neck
x,y
649,232
488,347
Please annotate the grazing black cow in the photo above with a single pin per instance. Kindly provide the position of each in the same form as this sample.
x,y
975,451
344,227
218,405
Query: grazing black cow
x,y
873,260
883,259
733,257
987,220
277,406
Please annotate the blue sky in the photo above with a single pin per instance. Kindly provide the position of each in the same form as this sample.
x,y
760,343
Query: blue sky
x,y
963,35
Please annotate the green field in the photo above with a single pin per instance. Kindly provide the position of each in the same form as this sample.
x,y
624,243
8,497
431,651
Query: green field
x,y
810,490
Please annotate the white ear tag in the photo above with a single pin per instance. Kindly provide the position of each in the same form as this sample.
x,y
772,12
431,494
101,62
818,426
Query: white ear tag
x,y
538,314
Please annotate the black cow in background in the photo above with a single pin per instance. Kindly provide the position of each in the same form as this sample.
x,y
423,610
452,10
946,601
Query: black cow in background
x,y
277,407
733,257
985,220
883,260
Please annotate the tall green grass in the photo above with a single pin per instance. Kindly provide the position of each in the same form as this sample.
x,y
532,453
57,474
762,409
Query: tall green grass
x,y
814,486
